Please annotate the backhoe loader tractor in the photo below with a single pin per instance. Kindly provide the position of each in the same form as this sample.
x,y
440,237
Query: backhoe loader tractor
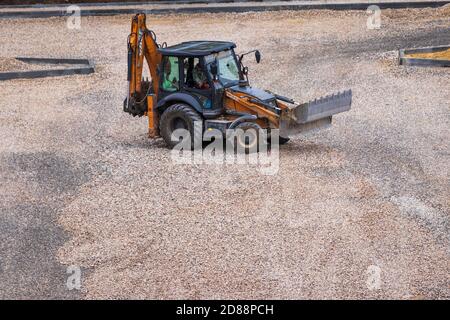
x,y
205,82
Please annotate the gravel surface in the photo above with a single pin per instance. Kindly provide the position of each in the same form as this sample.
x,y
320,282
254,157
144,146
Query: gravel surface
x,y
11,64
82,184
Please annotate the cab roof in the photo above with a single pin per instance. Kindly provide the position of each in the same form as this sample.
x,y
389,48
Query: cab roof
x,y
196,48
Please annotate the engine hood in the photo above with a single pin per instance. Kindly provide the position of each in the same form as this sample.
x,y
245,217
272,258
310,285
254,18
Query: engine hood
x,y
255,92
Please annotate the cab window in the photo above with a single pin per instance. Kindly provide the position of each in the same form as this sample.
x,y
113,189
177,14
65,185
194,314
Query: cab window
x,y
171,74
194,75
228,71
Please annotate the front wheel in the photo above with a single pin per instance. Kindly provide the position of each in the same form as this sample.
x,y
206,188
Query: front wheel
x,y
181,116
281,140
248,137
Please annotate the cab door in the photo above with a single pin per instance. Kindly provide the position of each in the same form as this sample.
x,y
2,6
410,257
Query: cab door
x,y
197,83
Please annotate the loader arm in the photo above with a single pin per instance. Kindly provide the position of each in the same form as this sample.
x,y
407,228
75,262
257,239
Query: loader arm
x,y
246,104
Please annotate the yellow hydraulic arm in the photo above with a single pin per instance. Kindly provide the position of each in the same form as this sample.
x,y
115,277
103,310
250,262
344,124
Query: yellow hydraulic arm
x,y
142,44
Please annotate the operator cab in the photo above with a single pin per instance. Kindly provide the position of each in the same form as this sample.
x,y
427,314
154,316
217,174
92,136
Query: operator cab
x,y
197,72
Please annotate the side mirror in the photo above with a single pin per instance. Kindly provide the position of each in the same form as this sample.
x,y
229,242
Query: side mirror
x,y
257,56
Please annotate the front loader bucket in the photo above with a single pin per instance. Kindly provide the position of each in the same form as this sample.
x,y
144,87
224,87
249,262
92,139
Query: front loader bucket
x,y
313,115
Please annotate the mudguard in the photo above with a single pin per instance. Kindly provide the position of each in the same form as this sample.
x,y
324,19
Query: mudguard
x,y
180,97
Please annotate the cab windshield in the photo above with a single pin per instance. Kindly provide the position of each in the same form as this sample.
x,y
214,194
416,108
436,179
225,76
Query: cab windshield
x,y
228,71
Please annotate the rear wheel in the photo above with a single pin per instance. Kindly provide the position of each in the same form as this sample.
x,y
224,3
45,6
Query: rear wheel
x,y
181,116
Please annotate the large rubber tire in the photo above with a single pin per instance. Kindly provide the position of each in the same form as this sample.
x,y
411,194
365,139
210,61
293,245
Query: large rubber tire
x,y
180,116
251,143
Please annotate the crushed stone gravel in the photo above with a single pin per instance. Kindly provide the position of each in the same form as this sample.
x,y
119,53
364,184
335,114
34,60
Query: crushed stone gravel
x,y
370,193
12,64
